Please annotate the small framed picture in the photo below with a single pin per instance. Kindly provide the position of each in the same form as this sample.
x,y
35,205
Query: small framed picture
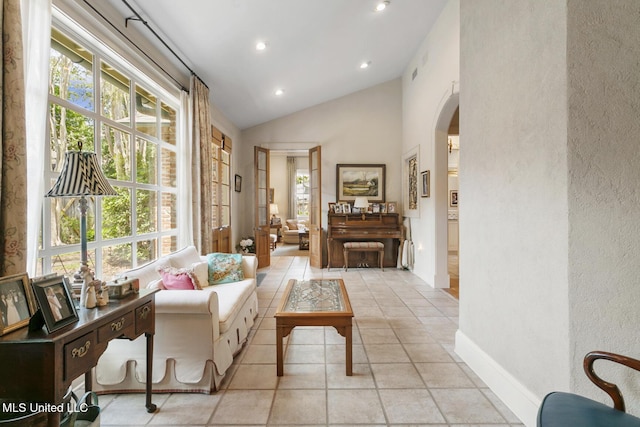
x,y
375,207
17,304
453,198
238,183
383,208
392,207
55,301
424,188
337,208
332,207
346,208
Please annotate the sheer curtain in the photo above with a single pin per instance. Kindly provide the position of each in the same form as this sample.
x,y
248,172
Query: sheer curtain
x,y
36,32
291,177
185,222
201,174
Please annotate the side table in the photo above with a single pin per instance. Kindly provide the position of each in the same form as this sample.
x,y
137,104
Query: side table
x,y
40,367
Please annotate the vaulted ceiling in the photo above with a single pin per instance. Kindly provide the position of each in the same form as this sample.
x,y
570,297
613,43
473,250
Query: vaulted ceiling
x,y
314,48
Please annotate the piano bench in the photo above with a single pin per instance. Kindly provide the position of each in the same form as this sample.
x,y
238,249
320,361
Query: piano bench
x,y
363,247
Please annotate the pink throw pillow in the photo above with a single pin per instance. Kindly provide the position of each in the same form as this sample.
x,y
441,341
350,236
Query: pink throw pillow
x,y
174,278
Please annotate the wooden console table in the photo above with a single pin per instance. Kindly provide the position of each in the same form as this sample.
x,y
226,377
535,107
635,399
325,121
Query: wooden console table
x,y
39,367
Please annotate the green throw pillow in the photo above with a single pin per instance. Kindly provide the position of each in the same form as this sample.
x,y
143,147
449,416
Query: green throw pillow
x,y
224,268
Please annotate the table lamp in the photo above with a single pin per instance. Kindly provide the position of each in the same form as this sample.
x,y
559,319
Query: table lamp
x,y
273,210
81,176
363,204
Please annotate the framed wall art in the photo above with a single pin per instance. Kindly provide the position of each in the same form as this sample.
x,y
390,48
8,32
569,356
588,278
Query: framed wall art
x,y
410,185
363,180
17,304
55,301
453,198
238,183
425,183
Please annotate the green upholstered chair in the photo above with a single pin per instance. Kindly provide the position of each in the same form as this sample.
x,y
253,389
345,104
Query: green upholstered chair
x,y
560,409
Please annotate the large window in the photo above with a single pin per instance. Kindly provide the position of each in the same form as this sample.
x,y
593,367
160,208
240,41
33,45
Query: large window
x,y
302,193
99,102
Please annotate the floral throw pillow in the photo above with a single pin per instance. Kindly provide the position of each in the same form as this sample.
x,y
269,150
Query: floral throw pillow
x,y
178,278
224,268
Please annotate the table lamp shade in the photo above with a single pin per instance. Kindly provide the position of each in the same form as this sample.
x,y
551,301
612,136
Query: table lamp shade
x,y
273,209
81,176
361,202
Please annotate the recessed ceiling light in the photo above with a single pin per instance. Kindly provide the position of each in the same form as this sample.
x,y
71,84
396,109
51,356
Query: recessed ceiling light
x,y
279,92
365,64
261,46
382,6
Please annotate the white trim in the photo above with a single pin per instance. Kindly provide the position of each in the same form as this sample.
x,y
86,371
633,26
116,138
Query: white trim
x,y
520,400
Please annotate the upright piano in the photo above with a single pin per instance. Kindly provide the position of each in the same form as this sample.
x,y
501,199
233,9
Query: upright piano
x,y
379,227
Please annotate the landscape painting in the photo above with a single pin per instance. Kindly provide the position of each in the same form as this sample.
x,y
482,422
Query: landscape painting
x,y
360,181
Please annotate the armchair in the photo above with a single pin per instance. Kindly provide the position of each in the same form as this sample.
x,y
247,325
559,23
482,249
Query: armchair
x,y
560,409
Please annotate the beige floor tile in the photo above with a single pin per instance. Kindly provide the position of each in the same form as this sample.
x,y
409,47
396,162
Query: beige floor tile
x,y
410,407
466,406
299,407
302,376
396,375
260,354
264,337
378,336
307,335
307,353
243,407
354,407
371,322
443,375
361,378
427,353
179,409
386,353
418,335
254,377
337,353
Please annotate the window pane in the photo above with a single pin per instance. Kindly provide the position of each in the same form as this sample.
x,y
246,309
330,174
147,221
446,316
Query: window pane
x,y
168,168
116,214
115,96
226,216
116,153
169,212
68,263
147,251
146,160
69,128
65,220
71,75
168,116
116,259
146,211
146,114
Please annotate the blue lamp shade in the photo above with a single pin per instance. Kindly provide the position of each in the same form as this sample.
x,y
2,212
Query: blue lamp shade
x,y
81,176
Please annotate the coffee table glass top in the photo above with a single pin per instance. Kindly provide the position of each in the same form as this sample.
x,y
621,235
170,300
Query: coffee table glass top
x,y
315,295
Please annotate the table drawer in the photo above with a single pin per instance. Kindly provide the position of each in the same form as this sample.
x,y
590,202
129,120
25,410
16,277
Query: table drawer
x,y
145,319
79,355
117,327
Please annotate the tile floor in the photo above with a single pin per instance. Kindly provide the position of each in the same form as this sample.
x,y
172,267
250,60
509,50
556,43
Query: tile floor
x,y
405,370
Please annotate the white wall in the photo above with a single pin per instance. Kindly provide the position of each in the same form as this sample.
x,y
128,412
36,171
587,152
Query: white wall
x,y
363,127
437,62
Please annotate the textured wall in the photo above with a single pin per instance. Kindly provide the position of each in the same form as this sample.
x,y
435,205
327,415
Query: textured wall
x,y
513,187
604,196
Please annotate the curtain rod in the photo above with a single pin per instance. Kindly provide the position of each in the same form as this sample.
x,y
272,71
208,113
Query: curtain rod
x,y
138,17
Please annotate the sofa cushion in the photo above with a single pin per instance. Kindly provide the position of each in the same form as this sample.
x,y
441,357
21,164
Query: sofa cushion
x,y
201,273
178,278
184,257
231,298
224,268
292,224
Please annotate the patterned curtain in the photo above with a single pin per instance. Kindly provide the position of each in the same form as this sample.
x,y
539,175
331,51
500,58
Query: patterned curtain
x,y
291,177
201,173
13,158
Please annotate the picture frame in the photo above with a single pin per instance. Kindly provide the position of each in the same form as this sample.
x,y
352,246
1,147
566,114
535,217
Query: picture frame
x,y
426,182
411,183
453,198
238,183
272,195
17,304
332,207
346,208
337,208
383,208
392,207
55,301
361,180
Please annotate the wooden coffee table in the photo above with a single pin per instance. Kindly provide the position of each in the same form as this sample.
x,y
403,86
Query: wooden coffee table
x,y
315,302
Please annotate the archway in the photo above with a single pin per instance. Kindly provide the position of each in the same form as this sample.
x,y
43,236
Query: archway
x,y
441,190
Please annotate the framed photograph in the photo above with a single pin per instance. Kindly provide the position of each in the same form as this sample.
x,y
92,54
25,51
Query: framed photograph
x,y
272,195
453,198
360,180
424,188
346,208
238,183
383,208
17,304
392,207
54,299
332,207
411,183
375,207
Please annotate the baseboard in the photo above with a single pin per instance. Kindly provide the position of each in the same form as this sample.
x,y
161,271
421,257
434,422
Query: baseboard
x,y
516,396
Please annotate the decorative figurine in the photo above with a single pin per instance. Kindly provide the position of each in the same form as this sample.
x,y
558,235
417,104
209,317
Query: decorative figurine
x,y
90,301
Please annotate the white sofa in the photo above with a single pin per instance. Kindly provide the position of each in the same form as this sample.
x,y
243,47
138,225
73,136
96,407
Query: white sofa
x,y
197,332
289,233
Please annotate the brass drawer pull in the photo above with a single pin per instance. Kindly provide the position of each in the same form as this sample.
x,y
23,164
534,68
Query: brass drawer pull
x,y
145,312
81,351
116,326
